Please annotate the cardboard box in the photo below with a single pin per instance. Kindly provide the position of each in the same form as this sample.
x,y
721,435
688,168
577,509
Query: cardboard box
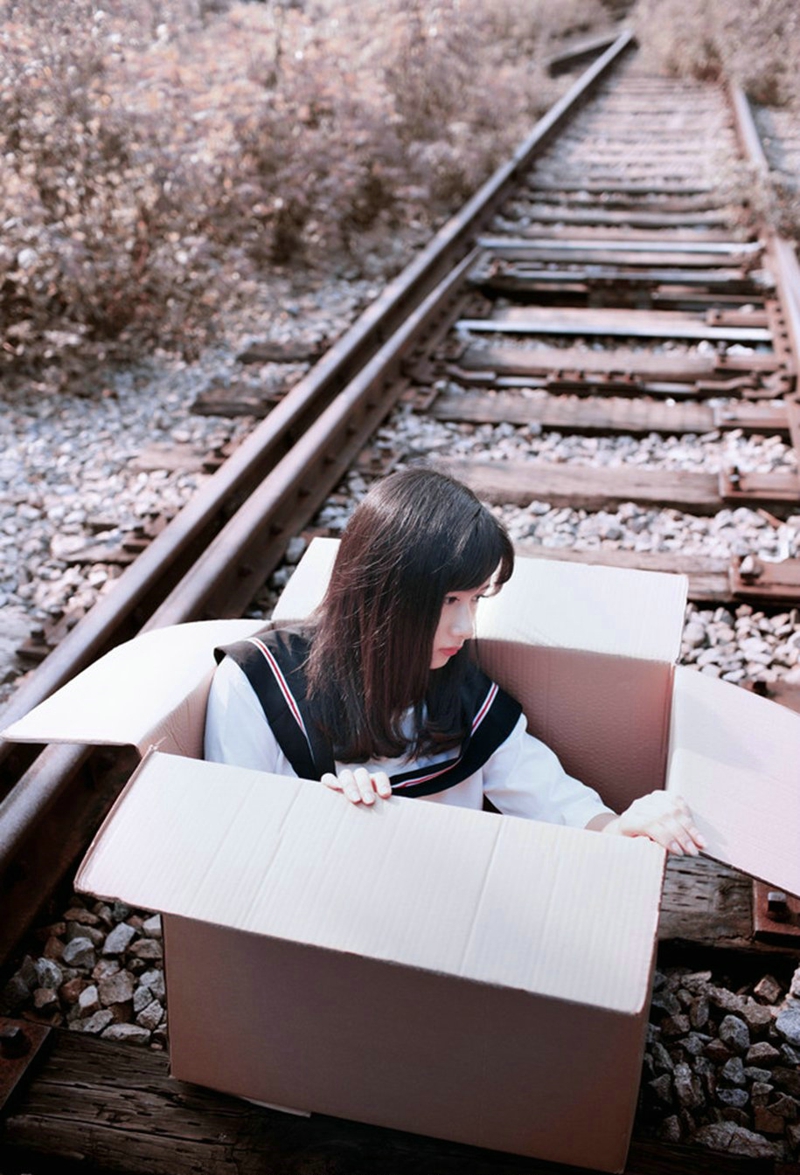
x,y
478,978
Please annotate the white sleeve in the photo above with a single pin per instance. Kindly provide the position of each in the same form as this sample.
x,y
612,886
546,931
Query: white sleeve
x,y
525,778
237,731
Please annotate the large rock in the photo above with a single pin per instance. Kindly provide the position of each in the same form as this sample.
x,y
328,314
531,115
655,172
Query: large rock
x,y
736,1140
79,952
119,939
734,1033
129,1033
117,989
788,1024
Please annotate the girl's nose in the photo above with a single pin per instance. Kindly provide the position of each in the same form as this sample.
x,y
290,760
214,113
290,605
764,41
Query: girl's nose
x,y
464,622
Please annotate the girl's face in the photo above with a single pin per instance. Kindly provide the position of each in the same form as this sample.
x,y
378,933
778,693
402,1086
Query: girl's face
x,y
456,624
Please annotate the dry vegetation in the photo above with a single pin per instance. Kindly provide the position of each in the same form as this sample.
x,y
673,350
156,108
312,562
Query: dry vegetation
x,y
755,42
161,155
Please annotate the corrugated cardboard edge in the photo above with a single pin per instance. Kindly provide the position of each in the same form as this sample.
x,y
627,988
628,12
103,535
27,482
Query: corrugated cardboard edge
x,y
735,757
86,860
99,705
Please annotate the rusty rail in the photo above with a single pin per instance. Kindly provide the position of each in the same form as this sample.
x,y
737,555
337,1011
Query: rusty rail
x,y
781,251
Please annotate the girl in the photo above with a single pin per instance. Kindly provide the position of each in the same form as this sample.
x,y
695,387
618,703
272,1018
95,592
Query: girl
x,y
376,694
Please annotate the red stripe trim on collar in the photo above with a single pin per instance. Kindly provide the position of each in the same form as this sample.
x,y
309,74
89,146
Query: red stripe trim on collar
x,y
484,710
451,763
282,682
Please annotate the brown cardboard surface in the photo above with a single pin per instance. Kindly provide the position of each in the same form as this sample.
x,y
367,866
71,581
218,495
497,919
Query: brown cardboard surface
x,y
735,758
590,658
408,1049
150,691
434,969
612,732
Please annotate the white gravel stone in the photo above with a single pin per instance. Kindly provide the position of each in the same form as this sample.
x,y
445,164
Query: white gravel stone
x,y
119,939
734,1140
80,952
48,973
151,1016
788,1024
154,981
89,1000
151,927
142,996
95,1024
127,1033
117,989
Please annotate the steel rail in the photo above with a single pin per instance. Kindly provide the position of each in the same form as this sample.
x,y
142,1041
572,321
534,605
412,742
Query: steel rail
x,y
781,252
311,434
747,130
271,439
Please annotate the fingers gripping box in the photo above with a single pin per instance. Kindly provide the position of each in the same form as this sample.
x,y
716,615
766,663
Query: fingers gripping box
x,y
460,974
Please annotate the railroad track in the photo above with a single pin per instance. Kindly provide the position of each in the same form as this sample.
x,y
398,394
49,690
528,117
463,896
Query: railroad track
x,y
607,282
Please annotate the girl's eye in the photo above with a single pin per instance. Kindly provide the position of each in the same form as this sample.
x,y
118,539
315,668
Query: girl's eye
x,y
481,595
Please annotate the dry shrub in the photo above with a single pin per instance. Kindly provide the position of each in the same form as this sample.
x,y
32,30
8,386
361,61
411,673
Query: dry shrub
x,y
530,25
317,158
754,42
160,155
381,111
98,207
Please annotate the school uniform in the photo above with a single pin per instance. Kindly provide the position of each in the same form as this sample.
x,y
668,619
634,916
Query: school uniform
x,y
257,716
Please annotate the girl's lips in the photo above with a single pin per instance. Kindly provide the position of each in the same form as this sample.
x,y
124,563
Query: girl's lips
x,y
451,652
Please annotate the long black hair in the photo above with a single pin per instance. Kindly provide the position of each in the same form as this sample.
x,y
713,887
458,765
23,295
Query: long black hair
x,y
417,535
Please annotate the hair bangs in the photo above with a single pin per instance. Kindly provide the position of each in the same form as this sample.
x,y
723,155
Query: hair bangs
x,y
485,556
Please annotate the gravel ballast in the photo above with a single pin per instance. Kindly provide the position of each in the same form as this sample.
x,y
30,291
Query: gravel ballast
x,y
721,1064
722,1067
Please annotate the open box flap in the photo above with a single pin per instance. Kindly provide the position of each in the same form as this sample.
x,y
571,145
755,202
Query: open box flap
x,y
735,758
607,610
611,610
589,652
143,693
496,900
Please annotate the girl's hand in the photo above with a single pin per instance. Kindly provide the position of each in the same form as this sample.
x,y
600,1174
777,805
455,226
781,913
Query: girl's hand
x,y
359,786
662,817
